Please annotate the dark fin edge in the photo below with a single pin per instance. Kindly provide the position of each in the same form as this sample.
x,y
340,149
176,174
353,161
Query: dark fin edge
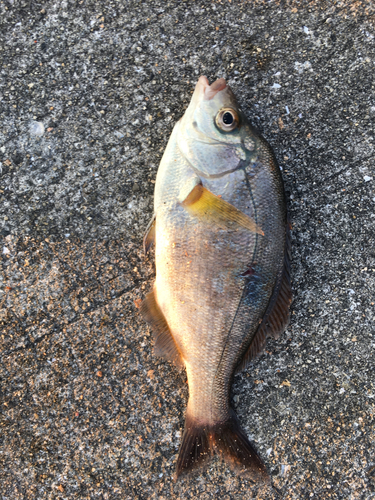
x,y
149,237
228,440
165,346
276,318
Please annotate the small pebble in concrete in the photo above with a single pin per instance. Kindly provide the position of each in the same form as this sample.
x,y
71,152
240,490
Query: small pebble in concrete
x,y
36,128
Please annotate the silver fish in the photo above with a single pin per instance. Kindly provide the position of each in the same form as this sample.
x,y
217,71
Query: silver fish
x,y
222,266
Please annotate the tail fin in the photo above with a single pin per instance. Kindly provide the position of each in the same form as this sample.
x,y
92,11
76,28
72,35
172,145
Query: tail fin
x,y
226,439
195,449
233,445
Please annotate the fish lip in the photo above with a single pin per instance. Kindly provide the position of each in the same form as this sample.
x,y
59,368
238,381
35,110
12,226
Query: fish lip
x,y
209,91
203,80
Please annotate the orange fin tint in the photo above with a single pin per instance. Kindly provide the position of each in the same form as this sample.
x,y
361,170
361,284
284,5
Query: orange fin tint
x,y
228,440
276,318
208,207
165,346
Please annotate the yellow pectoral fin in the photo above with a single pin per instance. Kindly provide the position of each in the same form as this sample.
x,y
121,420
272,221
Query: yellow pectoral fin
x,y
208,207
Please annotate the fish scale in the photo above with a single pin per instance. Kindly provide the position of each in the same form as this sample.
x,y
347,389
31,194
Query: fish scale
x,y
222,267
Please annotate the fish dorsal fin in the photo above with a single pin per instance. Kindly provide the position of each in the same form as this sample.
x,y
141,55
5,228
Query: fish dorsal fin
x,y
149,237
165,346
276,318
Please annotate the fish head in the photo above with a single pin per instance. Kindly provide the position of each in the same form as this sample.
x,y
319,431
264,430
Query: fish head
x,y
214,135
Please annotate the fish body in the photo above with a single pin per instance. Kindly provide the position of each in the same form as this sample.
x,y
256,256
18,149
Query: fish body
x,y
222,266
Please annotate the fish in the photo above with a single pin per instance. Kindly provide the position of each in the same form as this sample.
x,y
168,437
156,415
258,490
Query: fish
x,y
222,256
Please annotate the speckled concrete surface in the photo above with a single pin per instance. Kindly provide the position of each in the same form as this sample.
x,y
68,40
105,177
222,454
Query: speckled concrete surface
x,y
89,93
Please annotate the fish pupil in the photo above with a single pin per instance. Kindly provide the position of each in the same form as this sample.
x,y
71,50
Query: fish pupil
x,y
228,118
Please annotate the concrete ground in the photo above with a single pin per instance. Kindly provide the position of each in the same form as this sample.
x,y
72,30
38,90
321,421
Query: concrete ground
x,y
89,93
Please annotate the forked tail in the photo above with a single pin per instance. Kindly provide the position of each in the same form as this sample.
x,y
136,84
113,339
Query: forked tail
x,y
227,439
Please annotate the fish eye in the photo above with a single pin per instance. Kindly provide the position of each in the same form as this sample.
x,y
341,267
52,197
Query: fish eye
x,y
227,119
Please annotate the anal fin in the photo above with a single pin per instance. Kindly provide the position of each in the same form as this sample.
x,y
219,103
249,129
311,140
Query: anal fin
x,y
165,346
276,318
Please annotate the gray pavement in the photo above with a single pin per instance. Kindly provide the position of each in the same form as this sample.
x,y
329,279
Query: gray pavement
x,y
89,93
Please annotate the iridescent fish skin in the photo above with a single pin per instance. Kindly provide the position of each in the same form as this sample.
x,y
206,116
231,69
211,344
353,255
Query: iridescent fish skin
x,y
222,266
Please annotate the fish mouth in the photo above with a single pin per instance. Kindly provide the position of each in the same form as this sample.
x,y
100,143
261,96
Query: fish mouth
x,y
209,91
